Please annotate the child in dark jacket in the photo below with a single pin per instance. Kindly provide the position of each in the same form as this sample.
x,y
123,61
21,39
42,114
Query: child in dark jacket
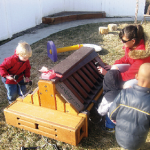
x,y
17,64
131,111
110,92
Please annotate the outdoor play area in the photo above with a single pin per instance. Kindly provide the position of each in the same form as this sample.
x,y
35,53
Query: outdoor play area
x,y
13,138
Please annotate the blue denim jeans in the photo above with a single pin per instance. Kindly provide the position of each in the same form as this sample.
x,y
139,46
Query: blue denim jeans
x,y
13,90
108,122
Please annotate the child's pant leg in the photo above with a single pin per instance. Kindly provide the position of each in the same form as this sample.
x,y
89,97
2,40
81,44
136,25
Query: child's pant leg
x,y
22,90
108,122
123,67
11,91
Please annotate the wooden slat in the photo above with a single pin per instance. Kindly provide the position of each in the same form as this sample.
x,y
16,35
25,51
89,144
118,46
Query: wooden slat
x,y
82,82
74,91
28,99
36,97
92,71
60,102
92,64
78,87
89,74
96,70
47,94
70,109
98,59
85,78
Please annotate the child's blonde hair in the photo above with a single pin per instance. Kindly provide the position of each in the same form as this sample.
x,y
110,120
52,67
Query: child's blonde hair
x,y
24,49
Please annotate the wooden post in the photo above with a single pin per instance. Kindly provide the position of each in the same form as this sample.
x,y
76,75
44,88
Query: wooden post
x,y
136,11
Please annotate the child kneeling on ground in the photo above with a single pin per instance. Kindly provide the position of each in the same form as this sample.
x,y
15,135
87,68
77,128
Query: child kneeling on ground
x,y
131,111
111,88
17,64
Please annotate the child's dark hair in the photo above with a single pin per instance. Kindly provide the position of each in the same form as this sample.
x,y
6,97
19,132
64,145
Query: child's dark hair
x,y
135,32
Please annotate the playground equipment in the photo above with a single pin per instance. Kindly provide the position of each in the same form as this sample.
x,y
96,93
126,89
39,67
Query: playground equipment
x,y
59,107
52,51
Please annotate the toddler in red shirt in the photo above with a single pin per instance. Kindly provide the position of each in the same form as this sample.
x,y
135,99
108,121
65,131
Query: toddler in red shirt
x,y
16,65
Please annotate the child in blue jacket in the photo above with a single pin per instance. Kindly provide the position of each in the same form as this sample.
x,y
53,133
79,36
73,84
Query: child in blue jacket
x,y
131,111
110,92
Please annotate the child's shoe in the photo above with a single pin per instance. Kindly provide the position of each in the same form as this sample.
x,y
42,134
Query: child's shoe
x,y
110,130
10,102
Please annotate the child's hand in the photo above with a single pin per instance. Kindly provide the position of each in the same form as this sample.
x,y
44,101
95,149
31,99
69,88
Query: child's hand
x,y
114,67
27,79
107,67
101,70
10,77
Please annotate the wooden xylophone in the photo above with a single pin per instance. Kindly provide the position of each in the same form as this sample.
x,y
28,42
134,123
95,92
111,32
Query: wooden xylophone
x,y
58,108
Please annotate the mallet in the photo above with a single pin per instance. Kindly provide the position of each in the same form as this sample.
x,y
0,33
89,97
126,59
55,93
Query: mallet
x,y
52,51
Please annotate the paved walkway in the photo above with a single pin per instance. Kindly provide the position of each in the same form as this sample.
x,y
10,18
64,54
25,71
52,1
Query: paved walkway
x,y
7,49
